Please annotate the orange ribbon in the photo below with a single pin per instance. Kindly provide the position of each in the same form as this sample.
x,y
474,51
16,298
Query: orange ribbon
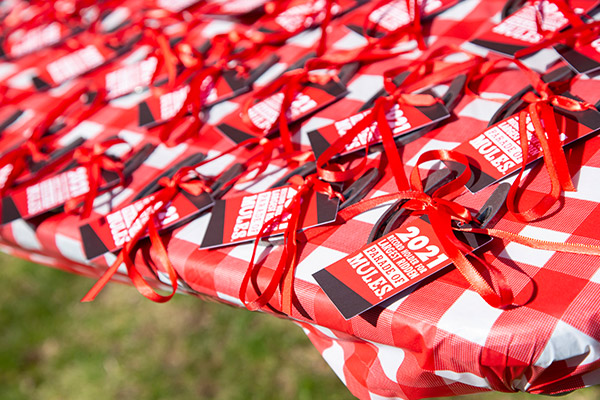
x,y
94,160
284,272
149,220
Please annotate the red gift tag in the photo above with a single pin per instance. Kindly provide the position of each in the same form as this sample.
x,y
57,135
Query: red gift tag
x,y
48,194
303,14
73,64
161,107
123,80
386,267
264,114
240,219
520,29
496,152
402,119
393,15
22,42
109,233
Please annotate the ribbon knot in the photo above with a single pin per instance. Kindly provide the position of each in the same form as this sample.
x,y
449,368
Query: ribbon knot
x,y
284,273
148,218
313,182
547,95
289,84
95,160
181,180
31,147
538,120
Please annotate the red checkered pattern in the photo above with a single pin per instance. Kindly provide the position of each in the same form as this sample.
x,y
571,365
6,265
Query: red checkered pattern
x,y
441,339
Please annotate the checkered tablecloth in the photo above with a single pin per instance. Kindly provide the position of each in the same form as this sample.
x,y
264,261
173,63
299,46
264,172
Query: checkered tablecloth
x,y
441,339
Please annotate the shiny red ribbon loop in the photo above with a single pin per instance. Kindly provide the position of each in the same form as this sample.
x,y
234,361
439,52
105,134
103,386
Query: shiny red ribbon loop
x,y
578,34
95,161
289,85
540,116
149,219
377,115
441,212
411,30
165,56
284,272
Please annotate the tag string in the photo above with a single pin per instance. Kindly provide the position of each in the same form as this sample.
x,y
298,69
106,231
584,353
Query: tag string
x,y
441,212
578,34
95,161
147,219
425,72
540,115
284,272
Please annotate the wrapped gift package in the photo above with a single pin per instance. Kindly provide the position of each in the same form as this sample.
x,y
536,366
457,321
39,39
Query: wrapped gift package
x,y
413,183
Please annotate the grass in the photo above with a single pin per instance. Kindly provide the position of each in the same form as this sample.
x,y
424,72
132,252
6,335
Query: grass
x,y
123,346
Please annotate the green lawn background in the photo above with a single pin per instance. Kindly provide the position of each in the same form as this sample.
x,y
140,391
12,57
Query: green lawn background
x,y
123,346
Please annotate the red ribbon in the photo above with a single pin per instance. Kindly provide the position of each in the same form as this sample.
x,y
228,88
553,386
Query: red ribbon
x,y
332,172
578,29
289,84
148,218
94,160
322,45
426,72
412,30
284,272
441,212
199,89
36,141
541,113
224,51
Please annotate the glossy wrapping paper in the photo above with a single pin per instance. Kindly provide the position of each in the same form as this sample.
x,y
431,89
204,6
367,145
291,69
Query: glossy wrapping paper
x,y
441,338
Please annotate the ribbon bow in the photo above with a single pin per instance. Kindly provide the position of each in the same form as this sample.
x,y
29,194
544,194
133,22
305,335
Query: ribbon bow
x,y
441,212
289,84
95,161
284,272
541,114
413,29
148,218
578,34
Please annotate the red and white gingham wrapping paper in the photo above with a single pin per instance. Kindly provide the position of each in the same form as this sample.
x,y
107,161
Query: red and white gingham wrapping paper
x,y
442,339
